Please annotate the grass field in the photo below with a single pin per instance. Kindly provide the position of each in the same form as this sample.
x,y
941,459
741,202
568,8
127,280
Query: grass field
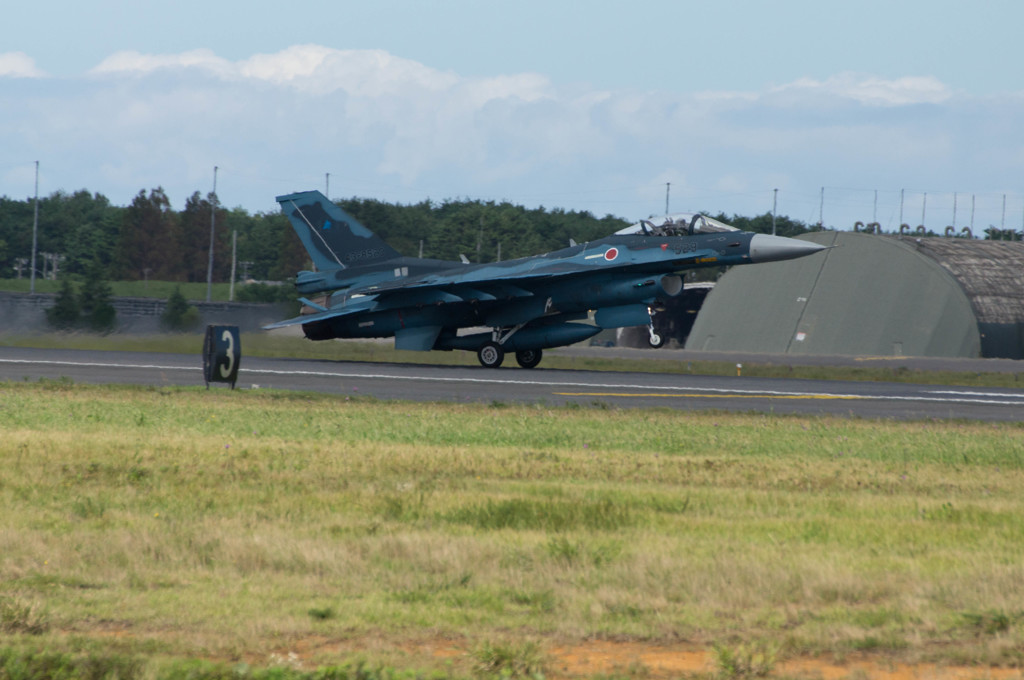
x,y
149,528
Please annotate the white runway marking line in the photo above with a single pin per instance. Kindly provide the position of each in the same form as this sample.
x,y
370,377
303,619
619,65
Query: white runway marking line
x,y
957,396
979,394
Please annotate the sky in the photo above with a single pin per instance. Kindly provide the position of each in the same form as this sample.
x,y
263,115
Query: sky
x,y
839,111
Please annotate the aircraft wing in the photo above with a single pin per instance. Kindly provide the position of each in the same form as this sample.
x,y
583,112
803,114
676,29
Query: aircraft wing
x,y
514,277
364,304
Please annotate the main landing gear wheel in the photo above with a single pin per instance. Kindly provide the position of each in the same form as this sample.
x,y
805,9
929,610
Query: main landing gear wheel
x,y
528,358
656,340
490,355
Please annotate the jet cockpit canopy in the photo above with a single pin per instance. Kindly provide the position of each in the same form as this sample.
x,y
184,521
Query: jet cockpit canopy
x,y
677,224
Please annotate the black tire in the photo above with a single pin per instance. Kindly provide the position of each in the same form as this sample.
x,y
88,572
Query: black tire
x,y
528,358
656,340
490,355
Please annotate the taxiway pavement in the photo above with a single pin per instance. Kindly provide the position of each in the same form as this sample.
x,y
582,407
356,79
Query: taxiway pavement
x,y
425,382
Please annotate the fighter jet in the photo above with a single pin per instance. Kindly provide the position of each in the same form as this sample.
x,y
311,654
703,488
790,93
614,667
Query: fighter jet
x,y
366,289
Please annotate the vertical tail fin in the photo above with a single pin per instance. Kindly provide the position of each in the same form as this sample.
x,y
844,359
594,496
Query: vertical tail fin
x,y
333,238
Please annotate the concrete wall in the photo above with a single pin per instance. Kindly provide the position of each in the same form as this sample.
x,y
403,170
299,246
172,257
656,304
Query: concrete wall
x,y
24,313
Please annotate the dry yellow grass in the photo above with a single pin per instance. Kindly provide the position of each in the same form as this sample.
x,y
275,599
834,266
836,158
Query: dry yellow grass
x,y
241,525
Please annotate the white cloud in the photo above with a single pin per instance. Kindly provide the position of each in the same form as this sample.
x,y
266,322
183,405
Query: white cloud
x,y
364,73
301,61
321,70
397,129
18,65
866,89
131,62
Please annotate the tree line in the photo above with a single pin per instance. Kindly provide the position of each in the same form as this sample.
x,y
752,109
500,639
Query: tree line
x,y
147,239
82,233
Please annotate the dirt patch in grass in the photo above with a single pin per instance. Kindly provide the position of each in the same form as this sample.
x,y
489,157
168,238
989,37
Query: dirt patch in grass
x,y
651,661
657,661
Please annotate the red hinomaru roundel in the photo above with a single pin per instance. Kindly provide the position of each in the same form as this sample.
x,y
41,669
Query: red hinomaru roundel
x,y
611,254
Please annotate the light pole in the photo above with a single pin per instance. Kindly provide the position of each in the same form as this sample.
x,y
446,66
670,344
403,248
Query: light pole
x,y
213,216
35,231
775,203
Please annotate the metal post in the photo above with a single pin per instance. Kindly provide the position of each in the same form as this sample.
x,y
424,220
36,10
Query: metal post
x,y
901,209
667,185
35,232
327,188
213,217
821,209
234,253
479,239
775,203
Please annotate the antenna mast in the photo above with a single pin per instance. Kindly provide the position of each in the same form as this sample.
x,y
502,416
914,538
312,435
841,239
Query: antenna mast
x,y
35,231
213,216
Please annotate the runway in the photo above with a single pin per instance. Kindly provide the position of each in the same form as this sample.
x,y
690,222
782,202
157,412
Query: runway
x,y
423,382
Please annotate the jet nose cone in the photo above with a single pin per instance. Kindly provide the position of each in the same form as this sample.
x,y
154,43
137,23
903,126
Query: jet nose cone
x,y
767,248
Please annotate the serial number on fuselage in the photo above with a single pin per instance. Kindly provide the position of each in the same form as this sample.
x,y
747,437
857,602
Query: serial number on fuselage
x,y
687,247
367,254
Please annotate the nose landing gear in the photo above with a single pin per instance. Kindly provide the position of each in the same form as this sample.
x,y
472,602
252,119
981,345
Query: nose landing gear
x,y
655,340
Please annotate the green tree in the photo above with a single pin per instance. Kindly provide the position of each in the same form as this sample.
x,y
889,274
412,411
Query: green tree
x,y
146,248
16,230
65,313
81,226
179,315
259,243
994,234
193,238
97,312
762,224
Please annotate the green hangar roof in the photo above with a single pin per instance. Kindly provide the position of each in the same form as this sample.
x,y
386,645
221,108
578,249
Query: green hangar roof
x,y
873,295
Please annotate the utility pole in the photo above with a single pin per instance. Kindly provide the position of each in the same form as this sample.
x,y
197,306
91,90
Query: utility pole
x,y
821,210
327,187
213,218
775,203
234,253
479,239
35,231
668,185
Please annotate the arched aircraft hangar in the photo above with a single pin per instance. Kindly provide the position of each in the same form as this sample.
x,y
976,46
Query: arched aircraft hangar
x,y
873,295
